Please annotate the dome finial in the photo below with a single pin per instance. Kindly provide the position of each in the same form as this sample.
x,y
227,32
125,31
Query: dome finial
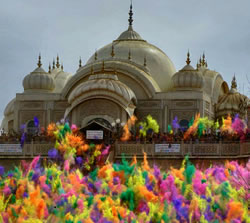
x,y
112,51
203,59
80,62
39,64
49,68
130,20
234,83
129,55
57,61
188,61
95,54
53,64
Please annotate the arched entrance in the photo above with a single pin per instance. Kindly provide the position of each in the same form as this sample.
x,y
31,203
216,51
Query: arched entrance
x,y
98,130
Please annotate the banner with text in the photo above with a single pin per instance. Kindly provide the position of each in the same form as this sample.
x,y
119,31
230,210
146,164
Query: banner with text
x,y
11,148
94,134
167,148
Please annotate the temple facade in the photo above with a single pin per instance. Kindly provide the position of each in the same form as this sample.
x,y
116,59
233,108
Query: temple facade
x,y
128,76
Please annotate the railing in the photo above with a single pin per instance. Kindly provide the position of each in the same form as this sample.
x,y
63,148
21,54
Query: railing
x,y
194,150
130,149
29,151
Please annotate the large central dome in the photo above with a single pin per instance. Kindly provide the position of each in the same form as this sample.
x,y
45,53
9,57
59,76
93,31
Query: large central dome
x,y
132,48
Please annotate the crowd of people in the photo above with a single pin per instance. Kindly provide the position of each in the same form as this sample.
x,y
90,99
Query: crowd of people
x,y
136,137
164,137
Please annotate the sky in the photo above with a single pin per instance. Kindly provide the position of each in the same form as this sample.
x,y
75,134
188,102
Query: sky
x,y
75,28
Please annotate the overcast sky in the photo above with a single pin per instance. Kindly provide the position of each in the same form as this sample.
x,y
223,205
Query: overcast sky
x,y
76,28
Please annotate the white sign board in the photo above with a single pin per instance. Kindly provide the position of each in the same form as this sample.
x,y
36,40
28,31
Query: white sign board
x,y
94,134
11,148
167,148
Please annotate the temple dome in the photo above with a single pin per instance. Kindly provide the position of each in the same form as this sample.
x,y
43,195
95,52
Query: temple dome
x,y
188,77
130,47
61,78
39,80
232,102
159,66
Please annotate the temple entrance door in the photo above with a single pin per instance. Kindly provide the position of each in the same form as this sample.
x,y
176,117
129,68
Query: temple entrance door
x,y
98,130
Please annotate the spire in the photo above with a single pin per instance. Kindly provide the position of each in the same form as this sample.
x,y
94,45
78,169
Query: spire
x,y
112,51
39,64
53,64
200,61
57,62
95,54
80,62
188,61
129,55
234,83
49,68
130,20
203,60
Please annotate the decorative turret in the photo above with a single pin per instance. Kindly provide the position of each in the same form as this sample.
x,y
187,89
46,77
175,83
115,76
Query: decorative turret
x,y
80,62
130,34
188,61
188,77
234,83
39,79
233,102
57,62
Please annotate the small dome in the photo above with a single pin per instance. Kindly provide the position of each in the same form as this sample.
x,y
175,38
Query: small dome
x,y
107,82
38,80
61,78
188,77
10,107
232,102
130,34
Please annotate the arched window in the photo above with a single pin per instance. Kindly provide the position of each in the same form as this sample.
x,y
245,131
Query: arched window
x,y
31,128
184,124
